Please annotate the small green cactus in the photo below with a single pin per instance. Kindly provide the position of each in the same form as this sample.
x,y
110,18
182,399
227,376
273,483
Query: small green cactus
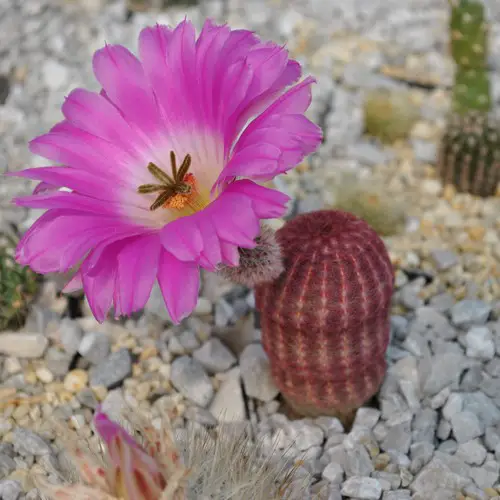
x,y
469,34
389,115
368,200
469,156
471,90
18,285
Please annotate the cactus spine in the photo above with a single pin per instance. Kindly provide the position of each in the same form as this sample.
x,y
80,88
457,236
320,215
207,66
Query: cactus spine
x,y
325,320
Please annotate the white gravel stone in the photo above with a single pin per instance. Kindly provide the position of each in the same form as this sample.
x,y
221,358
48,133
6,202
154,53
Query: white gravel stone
x,y
190,379
479,342
227,404
466,426
333,472
214,356
362,488
23,345
256,373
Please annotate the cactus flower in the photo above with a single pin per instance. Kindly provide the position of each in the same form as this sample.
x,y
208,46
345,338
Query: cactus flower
x,y
162,168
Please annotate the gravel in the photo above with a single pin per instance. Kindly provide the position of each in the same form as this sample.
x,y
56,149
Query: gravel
x,y
433,430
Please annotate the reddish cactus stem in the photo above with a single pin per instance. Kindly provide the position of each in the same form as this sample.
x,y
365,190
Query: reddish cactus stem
x,y
325,320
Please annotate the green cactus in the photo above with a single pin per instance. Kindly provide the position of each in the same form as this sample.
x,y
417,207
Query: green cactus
x,y
389,115
471,90
469,156
18,285
469,34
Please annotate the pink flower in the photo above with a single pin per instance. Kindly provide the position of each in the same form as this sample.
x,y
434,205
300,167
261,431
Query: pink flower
x,y
161,168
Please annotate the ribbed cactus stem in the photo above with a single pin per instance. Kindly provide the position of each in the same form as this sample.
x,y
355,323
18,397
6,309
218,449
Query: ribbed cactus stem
x,y
469,155
325,320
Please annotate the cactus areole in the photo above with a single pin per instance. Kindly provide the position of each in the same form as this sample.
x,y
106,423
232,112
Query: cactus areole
x,y
325,320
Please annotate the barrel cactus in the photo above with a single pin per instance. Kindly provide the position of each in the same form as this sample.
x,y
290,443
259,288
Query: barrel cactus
x,y
325,319
469,156
471,90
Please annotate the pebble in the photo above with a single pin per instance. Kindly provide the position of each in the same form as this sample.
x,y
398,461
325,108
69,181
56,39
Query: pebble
x,y
112,371
76,380
26,441
470,312
214,356
479,342
70,335
472,452
95,347
190,379
228,404
256,373
444,259
465,426
7,465
362,488
23,345
333,472
10,489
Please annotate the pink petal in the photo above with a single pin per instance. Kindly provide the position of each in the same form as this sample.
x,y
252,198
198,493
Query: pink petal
x,y
122,77
61,238
179,283
137,267
108,429
70,201
94,114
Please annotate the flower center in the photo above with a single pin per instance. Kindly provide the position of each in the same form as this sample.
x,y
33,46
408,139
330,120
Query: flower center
x,y
178,190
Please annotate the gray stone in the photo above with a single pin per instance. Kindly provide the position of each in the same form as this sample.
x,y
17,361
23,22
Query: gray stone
x,y
304,434
95,347
331,425
470,312
397,495
444,259
449,446
358,462
420,453
366,417
70,335
479,342
188,341
88,398
493,367
333,473
486,475
392,478
466,426
472,452
10,489
7,465
256,373
58,361
482,406
440,398
112,371
491,438
223,313
27,442
425,151
362,488
156,304
55,75
214,356
200,415
424,425
23,345
190,379
398,438
443,430
436,475
228,404
442,302
446,369
453,406
429,320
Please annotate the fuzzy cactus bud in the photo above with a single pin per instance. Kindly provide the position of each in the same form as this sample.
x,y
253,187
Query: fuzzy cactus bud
x,y
257,265
325,320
